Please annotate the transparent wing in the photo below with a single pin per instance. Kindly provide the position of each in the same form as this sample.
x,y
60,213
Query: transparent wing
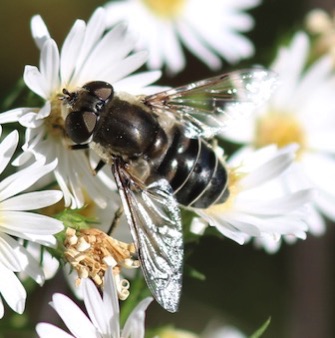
x,y
207,106
154,218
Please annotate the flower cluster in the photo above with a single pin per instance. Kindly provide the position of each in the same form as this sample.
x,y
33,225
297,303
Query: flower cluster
x,y
158,26
300,111
271,188
17,222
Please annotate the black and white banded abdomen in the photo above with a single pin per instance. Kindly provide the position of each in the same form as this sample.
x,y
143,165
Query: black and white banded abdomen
x,y
196,175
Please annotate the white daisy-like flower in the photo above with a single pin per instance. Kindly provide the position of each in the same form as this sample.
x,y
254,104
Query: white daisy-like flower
x,y
17,222
89,53
103,314
209,29
256,204
301,110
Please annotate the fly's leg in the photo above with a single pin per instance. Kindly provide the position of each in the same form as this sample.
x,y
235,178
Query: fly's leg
x,y
116,220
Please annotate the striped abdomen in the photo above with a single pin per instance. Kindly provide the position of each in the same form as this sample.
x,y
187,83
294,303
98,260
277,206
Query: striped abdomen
x,y
195,173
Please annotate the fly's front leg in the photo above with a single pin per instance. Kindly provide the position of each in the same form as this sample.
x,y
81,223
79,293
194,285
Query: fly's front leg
x,y
79,146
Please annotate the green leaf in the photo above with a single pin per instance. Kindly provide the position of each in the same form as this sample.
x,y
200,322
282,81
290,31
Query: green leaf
x,y
73,218
261,330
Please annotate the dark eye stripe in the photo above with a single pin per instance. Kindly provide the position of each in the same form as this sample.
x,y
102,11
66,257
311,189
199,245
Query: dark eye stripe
x,y
90,120
103,93
101,90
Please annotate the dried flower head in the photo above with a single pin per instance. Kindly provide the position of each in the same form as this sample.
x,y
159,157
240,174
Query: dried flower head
x,y
91,251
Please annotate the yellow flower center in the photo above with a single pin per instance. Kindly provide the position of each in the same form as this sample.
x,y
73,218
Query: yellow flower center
x,y
281,129
165,8
54,123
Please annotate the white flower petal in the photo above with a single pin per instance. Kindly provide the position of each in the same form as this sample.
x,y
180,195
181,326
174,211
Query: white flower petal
x,y
138,80
94,30
44,111
45,330
13,115
325,202
24,179
289,66
49,263
8,258
269,243
35,81
224,227
121,69
243,223
153,46
45,240
39,30
22,159
320,169
30,265
192,41
73,317
94,307
29,120
2,309
316,223
116,45
32,201
69,52
322,141
12,290
276,206
319,72
7,149
134,326
17,222
172,50
269,170
111,303
49,66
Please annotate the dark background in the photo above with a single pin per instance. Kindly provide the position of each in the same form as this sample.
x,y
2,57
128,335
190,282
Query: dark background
x,y
244,285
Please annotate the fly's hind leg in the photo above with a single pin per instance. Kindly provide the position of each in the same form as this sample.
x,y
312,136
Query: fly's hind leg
x,y
116,220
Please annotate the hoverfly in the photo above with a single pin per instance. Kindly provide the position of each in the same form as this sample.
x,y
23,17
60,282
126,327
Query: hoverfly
x,y
161,159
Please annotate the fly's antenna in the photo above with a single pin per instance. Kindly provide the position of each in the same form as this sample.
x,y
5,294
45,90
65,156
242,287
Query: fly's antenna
x,y
67,96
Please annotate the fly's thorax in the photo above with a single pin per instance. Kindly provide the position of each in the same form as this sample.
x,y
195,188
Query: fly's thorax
x,y
128,128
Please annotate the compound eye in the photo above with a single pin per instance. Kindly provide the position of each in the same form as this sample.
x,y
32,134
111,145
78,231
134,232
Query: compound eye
x,y
79,126
102,90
